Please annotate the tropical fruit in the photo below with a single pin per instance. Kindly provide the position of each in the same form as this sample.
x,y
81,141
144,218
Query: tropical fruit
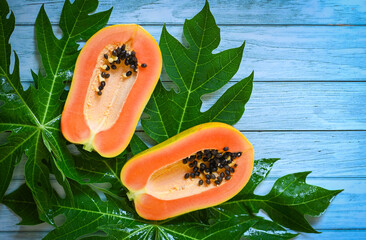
x,y
115,75
198,168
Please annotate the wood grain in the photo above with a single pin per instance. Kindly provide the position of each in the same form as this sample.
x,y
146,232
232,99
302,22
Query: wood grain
x,y
300,106
225,11
281,53
327,154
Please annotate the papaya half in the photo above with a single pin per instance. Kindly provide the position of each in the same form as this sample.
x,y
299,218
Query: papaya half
x,y
114,77
198,168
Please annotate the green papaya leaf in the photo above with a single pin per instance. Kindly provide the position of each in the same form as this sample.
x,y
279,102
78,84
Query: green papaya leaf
x,y
33,115
261,169
286,204
196,71
11,93
267,230
137,145
22,203
88,214
94,169
290,199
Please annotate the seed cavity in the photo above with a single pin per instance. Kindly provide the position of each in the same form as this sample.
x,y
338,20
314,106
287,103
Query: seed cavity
x,y
116,56
211,165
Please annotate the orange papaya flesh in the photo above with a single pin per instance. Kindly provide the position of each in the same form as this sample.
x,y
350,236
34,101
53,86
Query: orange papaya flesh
x,y
114,77
157,177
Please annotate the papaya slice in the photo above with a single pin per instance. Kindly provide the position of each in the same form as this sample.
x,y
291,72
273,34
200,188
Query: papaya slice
x,y
198,168
114,77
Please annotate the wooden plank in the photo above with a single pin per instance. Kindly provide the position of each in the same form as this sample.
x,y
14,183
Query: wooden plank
x,y
299,106
335,234
287,53
226,11
22,235
318,152
302,151
347,211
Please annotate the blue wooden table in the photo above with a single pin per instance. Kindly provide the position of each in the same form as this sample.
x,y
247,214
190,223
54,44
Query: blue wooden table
x,y
307,105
